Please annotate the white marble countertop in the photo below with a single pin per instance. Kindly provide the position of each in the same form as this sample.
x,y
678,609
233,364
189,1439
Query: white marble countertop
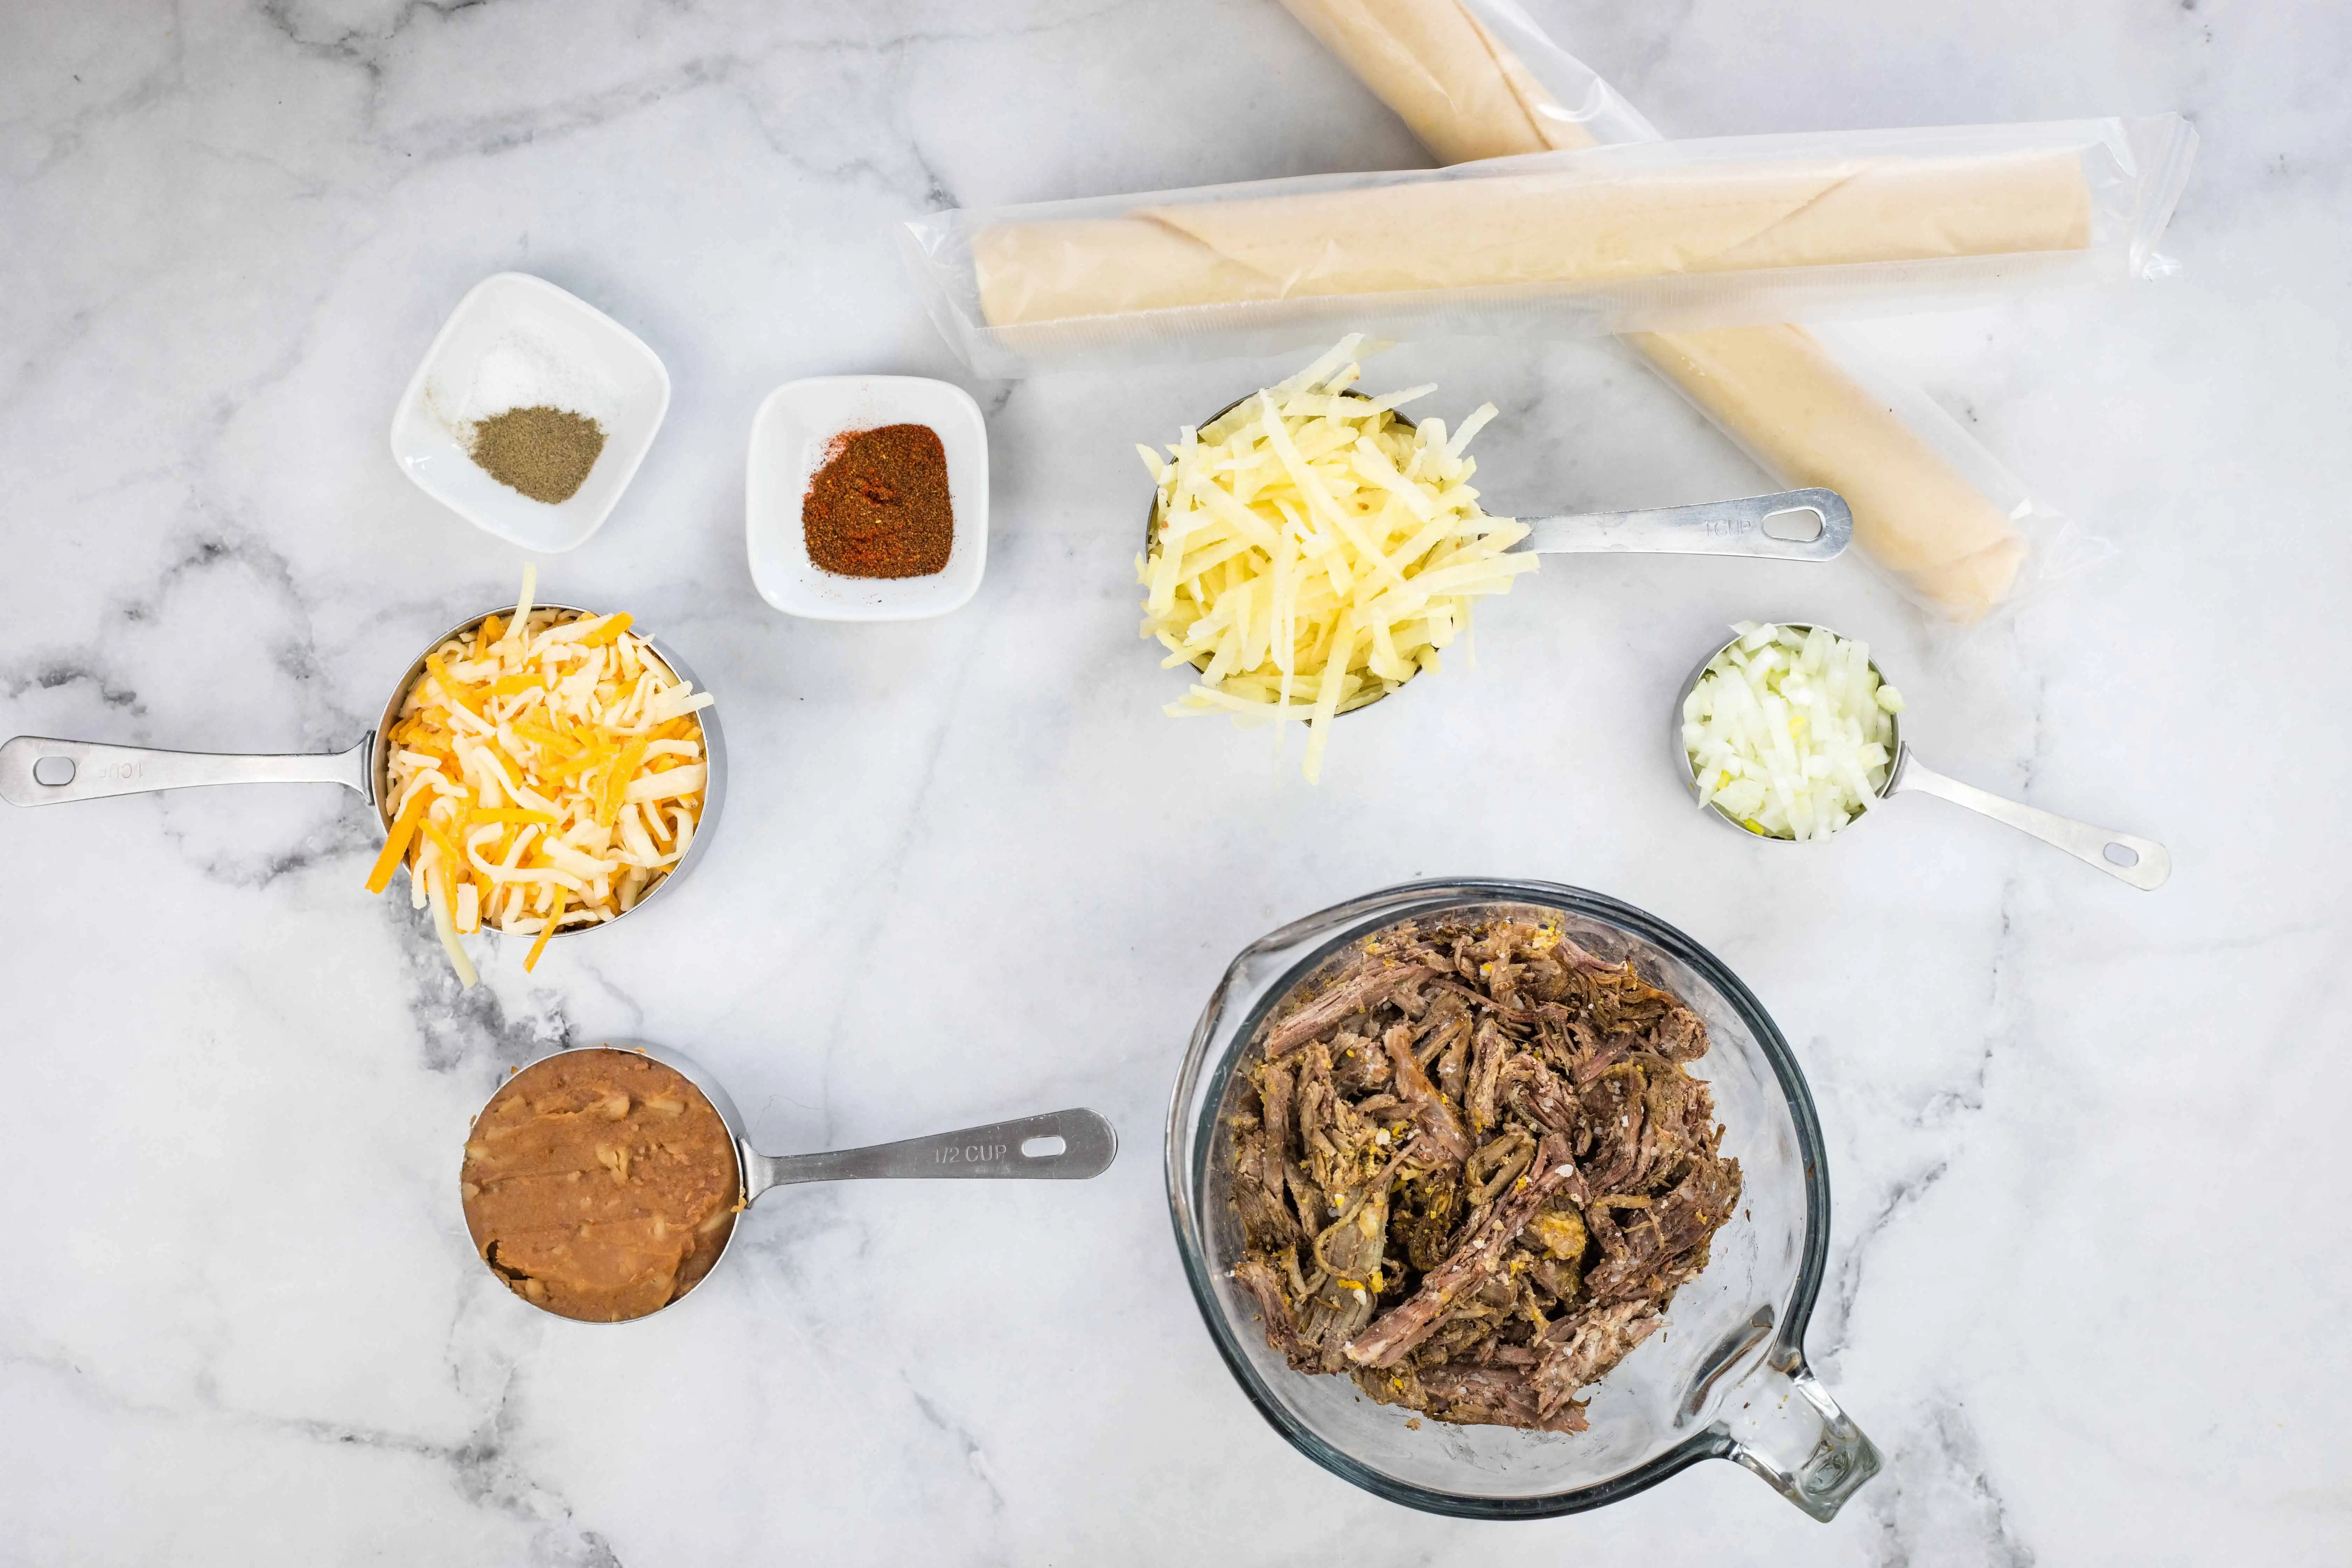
x,y
2082,1286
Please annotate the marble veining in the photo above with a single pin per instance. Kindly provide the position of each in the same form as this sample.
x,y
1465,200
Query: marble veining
x,y
2080,1285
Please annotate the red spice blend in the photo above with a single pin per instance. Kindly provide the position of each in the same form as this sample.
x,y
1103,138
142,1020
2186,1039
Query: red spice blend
x,y
878,506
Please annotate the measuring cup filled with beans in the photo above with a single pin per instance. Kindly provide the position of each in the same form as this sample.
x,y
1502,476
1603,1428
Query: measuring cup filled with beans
x,y
603,1183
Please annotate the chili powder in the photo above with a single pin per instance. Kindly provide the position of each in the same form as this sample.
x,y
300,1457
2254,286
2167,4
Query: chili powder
x,y
877,505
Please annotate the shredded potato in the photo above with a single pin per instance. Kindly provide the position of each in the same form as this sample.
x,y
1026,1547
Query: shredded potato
x,y
546,771
1311,552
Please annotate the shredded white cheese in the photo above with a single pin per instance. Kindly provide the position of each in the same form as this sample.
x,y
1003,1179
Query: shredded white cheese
x,y
1789,732
1311,552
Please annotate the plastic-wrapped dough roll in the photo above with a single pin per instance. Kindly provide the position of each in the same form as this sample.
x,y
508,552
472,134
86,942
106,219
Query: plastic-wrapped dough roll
x,y
1641,236
1574,225
1778,393
1466,87
1464,92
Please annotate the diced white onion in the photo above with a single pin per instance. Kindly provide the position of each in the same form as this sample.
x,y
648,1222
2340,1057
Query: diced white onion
x,y
1789,732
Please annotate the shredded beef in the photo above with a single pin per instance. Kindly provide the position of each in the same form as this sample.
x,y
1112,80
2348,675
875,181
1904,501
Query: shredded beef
x,y
1471,1170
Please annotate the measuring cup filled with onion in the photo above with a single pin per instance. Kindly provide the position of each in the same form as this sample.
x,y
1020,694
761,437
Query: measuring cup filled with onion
x,y
1789,732
539,771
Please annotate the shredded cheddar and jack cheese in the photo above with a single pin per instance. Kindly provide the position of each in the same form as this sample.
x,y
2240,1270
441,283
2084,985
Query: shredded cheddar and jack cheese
x,y
546,771
1311,552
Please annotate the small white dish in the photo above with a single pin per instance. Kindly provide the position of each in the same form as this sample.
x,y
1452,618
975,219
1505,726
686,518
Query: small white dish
x,y
796,424
517,336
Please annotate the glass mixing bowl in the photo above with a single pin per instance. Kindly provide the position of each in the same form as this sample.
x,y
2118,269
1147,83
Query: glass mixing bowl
x,y
1725,1377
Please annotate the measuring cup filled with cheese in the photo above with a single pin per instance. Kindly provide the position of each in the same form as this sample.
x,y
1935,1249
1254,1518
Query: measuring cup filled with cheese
x,y
1311,550
545,771
540,773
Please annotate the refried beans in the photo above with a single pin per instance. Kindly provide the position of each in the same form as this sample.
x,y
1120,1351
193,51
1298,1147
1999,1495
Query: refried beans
x,y
599,1184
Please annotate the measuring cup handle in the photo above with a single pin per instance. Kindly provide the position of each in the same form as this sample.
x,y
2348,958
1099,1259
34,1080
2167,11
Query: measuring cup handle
x,y
36,770
1000,1149
1735,527
1803,1446
2142,862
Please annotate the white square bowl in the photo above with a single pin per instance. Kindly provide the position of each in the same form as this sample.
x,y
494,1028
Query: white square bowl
x,y
630,387
789,437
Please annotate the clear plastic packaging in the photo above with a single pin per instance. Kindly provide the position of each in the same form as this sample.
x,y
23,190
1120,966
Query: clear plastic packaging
x,y
1954,530
1473,78
1641,237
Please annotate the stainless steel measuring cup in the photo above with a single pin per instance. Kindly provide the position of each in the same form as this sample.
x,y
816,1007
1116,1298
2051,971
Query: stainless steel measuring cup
x,y
1786,525
37,770
2142,862
1022,1148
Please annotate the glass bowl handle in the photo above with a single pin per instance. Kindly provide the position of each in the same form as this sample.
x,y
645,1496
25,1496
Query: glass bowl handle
x,y
1803,1444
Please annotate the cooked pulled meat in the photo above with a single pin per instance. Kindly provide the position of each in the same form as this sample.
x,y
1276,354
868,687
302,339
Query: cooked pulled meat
x,y
1471,1170
1472,1396
1480,1257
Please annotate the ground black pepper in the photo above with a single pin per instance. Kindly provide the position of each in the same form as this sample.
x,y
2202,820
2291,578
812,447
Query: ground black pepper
x,y
878,506
543,452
